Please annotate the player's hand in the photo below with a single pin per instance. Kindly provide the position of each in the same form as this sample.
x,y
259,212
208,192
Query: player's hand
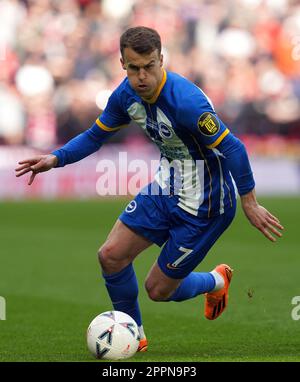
x,y
261,218
37,164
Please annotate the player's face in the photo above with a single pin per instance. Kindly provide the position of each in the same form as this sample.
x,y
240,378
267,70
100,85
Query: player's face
x,y
144,71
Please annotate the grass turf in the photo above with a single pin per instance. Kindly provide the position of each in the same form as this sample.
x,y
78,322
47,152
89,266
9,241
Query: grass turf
x,y
50,278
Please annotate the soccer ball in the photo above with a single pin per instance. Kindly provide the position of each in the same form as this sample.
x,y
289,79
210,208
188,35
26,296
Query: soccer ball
x,y
113,335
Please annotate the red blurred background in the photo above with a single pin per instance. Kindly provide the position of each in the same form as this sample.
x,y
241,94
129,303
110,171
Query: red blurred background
x,y
59,61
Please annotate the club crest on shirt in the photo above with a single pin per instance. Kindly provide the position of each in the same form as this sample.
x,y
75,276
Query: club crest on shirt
x,y
131,206
208,124
164,131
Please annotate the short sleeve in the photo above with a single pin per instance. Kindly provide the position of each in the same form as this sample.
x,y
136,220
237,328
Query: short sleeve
x,y
113,117
199,117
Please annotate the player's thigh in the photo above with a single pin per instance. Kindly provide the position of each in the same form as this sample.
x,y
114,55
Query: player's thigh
x,y
126,239
122,246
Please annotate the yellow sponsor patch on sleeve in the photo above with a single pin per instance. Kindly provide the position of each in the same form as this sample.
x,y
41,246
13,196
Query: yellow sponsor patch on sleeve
x,y
208,124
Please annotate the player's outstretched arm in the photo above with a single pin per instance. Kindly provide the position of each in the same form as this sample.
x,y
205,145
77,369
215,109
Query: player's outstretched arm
x,y
260,217
39,163
76,149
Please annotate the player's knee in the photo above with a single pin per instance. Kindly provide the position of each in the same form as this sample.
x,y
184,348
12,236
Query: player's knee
x,y
155,293
107,258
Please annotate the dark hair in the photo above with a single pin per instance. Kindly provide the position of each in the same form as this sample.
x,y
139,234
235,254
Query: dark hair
x,y
142,40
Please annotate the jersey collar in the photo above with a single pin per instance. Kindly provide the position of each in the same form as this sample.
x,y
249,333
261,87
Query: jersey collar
x,y
159,89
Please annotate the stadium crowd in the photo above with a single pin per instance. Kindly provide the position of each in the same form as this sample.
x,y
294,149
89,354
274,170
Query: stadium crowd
x,y
58,57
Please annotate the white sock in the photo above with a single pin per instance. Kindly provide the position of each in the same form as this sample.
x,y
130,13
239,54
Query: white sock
x,y
219,281
141,332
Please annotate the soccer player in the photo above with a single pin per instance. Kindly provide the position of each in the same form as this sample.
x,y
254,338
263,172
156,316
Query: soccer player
x,y
192,199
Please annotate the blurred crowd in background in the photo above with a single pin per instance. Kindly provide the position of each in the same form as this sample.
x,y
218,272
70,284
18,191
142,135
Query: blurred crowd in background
x,y
59,61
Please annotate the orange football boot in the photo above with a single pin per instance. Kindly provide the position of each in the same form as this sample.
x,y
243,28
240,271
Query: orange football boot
x,y
216,302
143,346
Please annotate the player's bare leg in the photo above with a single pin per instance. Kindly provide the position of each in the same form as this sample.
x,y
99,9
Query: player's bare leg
x,y
159,286
121,248
116,256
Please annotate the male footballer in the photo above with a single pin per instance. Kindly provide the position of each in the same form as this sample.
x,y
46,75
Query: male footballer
x,y
192,199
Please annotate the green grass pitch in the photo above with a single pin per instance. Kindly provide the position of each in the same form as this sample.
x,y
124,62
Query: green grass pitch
x,y
50,278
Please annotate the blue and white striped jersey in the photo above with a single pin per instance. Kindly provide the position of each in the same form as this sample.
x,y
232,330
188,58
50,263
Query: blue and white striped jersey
x,y
181,121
